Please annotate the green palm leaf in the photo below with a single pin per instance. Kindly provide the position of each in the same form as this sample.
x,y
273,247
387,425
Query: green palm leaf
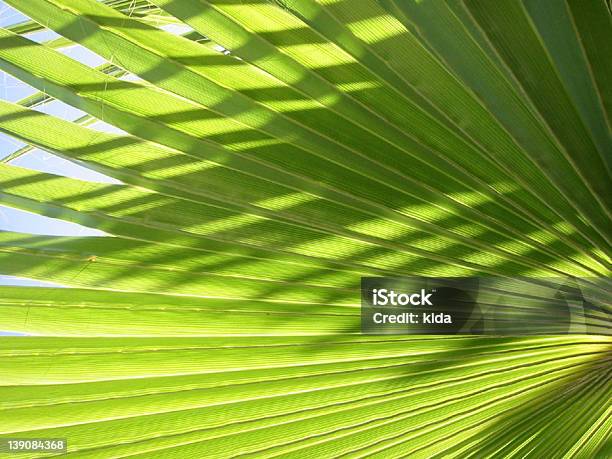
x,y
271,155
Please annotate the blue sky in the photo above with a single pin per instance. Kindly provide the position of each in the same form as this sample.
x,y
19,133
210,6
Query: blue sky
x,y
13,90
20,221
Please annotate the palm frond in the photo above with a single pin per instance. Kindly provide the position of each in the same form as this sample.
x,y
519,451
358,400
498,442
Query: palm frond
x,y
272,154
